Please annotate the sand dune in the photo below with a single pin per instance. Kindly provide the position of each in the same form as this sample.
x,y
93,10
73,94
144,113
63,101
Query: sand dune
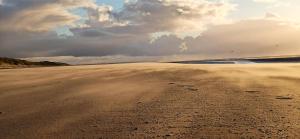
x,y
151,100
10,63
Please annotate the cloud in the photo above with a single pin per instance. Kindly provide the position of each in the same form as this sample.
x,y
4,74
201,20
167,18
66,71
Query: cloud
x,y
179,17
274,3
39,19
178,27
40,16
265,1
257,37
271,16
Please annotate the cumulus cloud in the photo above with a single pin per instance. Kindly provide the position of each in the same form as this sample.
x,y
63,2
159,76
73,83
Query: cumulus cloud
x,y
179,17
244,38
40,16
39,19
142,29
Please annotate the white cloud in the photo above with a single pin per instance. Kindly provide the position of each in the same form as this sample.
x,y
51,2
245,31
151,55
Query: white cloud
x,y
179,17
270,15
274,3
265,1
183,47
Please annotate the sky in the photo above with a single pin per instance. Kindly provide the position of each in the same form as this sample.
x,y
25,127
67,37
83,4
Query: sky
x,y
91,31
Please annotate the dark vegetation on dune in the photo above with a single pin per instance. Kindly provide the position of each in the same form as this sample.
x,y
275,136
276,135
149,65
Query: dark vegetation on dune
x,y
10,62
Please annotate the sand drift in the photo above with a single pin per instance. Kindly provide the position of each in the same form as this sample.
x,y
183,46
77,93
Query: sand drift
x,y
151,101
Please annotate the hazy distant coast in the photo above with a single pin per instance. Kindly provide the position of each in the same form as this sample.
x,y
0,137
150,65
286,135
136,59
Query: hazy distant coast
x,y
168,59
294,59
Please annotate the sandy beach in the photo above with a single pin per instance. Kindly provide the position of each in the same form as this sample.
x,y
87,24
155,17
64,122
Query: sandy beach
x,y
151,100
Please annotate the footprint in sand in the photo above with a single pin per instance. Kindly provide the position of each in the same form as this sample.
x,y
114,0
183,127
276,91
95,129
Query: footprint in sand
x,y
252,91
189,87
284,97
193,89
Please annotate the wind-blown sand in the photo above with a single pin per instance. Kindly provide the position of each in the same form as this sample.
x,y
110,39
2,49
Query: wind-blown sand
x,y
151,100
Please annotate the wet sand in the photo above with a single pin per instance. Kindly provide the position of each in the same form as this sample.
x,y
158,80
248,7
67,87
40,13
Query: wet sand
x,y
151,100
